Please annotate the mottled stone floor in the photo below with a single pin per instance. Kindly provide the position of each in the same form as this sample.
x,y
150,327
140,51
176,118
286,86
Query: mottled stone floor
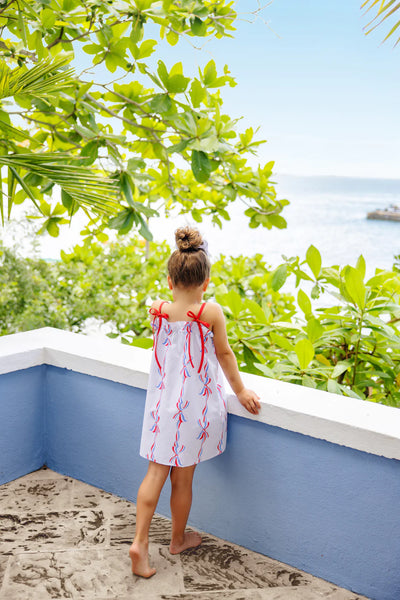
x,y
61,538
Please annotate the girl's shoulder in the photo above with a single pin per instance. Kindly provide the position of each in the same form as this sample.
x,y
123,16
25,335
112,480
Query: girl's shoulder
x,y
212,313
157,303
212,307
156,306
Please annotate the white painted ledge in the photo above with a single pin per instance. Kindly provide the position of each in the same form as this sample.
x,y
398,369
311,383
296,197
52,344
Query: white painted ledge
x,y
345,421
98,356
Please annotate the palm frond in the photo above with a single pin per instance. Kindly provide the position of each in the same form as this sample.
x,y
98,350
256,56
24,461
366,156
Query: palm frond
x,y
11,187
373,3
1,200
17,135
395,26
85,186
386,9
41,80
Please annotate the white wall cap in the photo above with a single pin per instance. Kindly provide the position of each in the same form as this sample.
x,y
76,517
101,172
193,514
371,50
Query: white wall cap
x,y
92,355
341,420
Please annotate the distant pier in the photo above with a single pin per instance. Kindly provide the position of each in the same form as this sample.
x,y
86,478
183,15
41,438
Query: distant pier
x,y
386,214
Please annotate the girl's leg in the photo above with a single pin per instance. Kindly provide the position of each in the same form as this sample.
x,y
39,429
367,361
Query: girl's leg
x,y
148,495
181,502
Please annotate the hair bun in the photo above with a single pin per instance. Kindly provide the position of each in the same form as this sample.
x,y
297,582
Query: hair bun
x,y
188,239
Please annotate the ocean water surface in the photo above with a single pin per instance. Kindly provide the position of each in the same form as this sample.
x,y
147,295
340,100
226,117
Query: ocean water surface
x,y
328,212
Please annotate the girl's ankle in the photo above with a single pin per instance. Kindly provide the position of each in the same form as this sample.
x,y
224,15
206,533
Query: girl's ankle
x,y
141,541
177,540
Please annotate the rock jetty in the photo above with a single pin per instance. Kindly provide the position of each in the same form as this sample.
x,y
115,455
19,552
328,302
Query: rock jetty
x,y
386,214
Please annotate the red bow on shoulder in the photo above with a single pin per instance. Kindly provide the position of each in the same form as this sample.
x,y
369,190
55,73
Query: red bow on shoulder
x,y
157,313
196,319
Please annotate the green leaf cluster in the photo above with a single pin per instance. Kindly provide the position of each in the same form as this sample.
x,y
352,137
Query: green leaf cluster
x,y
348,345
149,136
109,282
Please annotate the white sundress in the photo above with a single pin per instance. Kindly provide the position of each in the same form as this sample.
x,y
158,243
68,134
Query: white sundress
x,y
185,417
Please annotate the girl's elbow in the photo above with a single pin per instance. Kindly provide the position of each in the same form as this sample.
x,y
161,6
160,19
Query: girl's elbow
x,y
224,354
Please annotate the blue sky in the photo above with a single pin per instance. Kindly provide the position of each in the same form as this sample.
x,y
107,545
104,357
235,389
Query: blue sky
x,y
325,95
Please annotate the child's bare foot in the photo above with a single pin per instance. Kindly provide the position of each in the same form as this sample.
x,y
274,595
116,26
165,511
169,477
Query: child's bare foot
x,y
139,555
191,539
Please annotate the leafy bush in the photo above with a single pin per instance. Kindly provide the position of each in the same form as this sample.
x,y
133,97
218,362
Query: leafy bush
x,y
110,283
339,334
351,347
27,298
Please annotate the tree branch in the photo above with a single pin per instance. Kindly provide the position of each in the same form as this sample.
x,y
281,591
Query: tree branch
x,y
31,55
121,118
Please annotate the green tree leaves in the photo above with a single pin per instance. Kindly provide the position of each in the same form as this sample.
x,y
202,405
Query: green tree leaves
x,y
354,286
201,166
41,80
82,184
198,27
305,352
304,303
279,277
174,81
313,258
340,345
193,157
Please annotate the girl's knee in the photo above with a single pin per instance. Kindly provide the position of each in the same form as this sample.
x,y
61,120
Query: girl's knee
x,y
158,472
182,476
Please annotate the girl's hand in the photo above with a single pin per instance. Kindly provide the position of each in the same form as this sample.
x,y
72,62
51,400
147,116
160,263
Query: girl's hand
x,y
249,400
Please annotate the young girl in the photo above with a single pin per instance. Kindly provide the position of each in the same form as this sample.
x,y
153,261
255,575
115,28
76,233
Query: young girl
x,y
185,415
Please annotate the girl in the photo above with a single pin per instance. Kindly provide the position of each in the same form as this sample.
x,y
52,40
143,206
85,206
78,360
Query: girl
x,y
185,416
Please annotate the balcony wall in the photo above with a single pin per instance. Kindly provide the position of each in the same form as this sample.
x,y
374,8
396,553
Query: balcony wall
x,y
313,481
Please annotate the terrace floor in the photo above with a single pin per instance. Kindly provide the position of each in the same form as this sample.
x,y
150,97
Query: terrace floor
x,y
62,538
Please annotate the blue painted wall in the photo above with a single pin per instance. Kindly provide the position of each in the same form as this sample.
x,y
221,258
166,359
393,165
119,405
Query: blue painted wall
x,y
327,509
22,431
93,430
324,508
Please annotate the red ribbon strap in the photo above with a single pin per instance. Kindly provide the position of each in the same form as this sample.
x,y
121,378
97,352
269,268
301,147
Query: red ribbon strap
x,y
196,319
157,313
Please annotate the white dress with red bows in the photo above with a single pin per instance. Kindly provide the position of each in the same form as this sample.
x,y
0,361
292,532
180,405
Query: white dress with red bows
x,y
185,416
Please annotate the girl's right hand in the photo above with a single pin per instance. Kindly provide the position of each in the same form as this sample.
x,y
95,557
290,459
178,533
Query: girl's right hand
x,y
249,400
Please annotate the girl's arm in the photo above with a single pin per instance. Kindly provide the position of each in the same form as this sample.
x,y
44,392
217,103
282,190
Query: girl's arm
x,y
227,360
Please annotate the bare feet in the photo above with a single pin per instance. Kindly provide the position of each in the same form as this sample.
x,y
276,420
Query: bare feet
x,y
191,539
139,554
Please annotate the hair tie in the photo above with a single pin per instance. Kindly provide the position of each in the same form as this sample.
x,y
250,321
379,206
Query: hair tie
x,y
204,246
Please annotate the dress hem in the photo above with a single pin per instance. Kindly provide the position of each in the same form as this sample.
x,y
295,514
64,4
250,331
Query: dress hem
x,y
168,464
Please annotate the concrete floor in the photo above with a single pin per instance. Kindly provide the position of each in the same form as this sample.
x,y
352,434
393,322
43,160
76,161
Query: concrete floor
x,y
61,538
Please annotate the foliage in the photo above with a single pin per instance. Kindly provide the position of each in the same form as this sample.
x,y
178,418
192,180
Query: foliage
x,y
27,170
348,343
386,9
250,304
351,347
160,135
27,298
113,284
110,284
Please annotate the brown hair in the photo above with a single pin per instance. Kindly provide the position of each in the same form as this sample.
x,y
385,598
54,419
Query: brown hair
x,y
189,265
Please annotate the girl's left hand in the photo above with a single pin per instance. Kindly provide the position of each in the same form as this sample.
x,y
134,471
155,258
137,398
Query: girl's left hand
x,y
249,400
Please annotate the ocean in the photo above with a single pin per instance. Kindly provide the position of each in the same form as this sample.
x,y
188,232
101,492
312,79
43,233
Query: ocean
x,y
328,212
